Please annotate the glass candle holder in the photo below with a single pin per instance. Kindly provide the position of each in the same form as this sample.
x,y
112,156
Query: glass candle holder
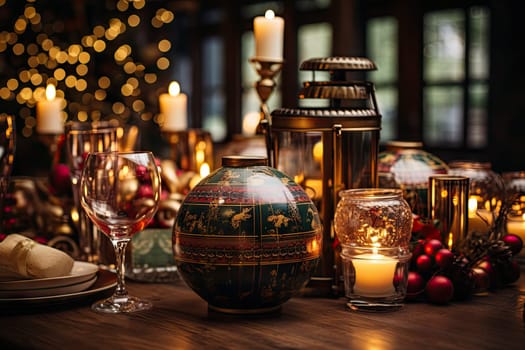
x,y
486,194
374,227
448,206
515,191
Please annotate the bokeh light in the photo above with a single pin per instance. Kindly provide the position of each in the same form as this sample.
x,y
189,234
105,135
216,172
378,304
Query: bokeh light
x,y
97,73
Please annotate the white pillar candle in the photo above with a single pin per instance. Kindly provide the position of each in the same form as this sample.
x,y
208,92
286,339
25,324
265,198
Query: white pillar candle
x,y
269,36
374,275
173,107
49,113
479,220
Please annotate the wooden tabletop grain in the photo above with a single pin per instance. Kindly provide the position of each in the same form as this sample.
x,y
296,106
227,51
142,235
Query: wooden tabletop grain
x,y
181,320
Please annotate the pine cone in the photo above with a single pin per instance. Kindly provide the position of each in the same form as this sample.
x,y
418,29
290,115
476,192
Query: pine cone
x,y
462,277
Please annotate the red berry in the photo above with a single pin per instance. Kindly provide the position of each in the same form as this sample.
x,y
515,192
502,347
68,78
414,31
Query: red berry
x,y
415,285
432,246
486,265
439,290
145,191
512,272
514,242
444,258
424,263
481,280
60,178
142,172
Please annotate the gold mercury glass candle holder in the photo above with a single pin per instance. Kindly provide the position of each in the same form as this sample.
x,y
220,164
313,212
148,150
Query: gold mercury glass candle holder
x,y
448,207
374,227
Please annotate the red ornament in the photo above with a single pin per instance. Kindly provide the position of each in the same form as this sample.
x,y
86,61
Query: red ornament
x,y
60,179
512,272
439,290
141,172
486,265
432,246
514,242
415,285
444,258
481,280
424,263
145,191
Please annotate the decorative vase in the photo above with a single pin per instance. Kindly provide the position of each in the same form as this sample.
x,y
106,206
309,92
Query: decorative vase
x,y
247,237
407,166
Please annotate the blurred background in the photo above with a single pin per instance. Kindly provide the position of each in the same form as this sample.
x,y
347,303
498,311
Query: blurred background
x,y
450,73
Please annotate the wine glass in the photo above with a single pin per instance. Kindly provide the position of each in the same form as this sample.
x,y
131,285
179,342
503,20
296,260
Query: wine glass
x,y
81,139
120,193
7,152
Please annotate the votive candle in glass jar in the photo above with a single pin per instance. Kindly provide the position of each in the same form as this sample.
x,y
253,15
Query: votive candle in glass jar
x,y
374,227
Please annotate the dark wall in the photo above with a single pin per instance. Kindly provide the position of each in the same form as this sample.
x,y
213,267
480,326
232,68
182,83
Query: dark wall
x,y
507,102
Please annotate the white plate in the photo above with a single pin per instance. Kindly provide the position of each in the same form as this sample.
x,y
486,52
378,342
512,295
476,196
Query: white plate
x,y
81,272
44,292
105,281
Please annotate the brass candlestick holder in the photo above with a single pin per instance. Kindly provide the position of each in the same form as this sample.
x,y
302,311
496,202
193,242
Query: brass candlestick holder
x,y
267,70
50,141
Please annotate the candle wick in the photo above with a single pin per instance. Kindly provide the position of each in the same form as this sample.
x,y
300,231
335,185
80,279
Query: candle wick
x,y
269,14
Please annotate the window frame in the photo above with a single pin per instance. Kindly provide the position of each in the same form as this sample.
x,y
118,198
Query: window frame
x,y
411,82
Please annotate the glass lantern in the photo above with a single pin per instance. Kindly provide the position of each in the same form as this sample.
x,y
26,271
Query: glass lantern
x,y
486,193
329,149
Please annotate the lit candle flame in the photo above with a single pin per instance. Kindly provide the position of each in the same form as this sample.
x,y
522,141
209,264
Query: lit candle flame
x,y
318,151
472,205
269,14
174,88
50,92
450,240
204,170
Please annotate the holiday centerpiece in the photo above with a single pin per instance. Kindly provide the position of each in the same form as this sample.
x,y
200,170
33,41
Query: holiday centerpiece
x,y
483,261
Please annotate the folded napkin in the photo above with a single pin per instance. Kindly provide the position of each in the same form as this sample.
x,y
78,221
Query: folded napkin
x,y
22,258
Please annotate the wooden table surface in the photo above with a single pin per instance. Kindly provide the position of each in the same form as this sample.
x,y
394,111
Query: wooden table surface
x,y
181,320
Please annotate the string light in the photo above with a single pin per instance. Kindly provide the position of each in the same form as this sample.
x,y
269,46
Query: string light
x,y
37,37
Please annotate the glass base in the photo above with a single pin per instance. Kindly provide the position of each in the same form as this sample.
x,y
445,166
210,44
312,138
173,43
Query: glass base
x,y
373,306
116,305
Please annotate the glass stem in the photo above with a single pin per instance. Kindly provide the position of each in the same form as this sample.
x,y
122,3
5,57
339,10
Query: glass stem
x,y
120,253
